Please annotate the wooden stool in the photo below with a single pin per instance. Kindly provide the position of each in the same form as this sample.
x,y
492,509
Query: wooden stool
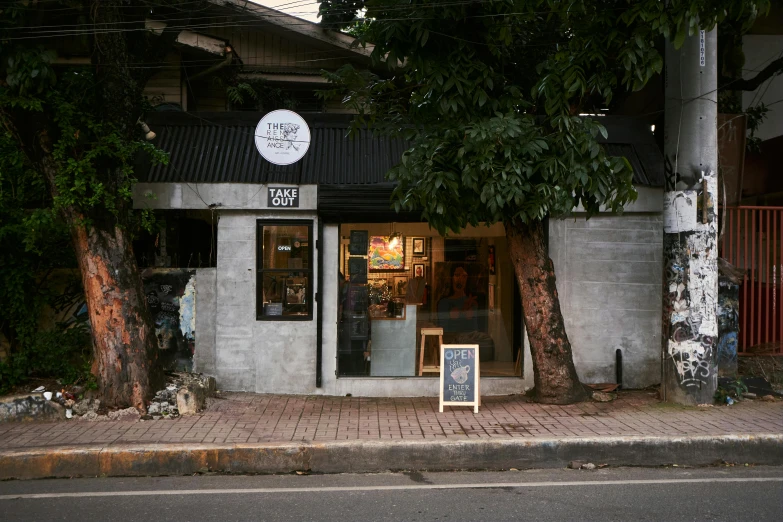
x,y
424,333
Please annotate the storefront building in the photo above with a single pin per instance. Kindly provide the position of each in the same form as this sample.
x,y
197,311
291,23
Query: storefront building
x,y
320,288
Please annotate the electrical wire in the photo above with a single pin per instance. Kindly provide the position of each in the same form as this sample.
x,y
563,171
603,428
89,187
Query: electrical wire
x,y
262,16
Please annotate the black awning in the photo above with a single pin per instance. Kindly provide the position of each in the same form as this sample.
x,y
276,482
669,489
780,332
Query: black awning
x,y
360,203
220,148
349,171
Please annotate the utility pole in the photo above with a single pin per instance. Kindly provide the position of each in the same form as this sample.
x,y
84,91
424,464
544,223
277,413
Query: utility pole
x,y
690,224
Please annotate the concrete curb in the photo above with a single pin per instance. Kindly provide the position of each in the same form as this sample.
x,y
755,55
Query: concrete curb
x,y
378,456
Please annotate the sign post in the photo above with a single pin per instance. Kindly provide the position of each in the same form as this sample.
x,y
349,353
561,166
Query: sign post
x,y
459,376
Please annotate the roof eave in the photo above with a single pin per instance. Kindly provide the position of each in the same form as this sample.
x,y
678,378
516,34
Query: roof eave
x,y
298,25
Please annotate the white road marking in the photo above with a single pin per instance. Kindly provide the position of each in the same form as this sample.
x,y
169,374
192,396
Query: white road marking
x,y
339,489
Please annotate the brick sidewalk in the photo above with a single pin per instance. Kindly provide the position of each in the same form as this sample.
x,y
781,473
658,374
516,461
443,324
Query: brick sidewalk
x,y
251,418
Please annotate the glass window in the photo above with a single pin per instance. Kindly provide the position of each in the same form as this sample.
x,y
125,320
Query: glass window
x,y
399,279
285,271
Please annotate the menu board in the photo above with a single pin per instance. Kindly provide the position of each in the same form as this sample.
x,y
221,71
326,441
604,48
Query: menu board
x,y
459,376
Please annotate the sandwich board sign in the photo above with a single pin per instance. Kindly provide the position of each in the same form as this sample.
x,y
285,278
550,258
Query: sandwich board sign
x,y
282,137
459,376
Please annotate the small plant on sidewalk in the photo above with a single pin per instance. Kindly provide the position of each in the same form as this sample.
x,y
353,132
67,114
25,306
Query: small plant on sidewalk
x,y
730,392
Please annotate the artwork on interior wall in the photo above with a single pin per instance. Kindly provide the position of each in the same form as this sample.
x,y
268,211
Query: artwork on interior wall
x,y
460,296
400,285
386,253
491,298
491,259
418,270
358,244
418,246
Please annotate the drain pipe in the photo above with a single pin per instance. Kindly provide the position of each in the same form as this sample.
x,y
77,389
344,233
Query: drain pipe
x,y
618,368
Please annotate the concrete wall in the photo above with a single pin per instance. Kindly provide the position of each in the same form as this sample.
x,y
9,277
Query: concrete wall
x,y
251,355
248,196
609,278
206,311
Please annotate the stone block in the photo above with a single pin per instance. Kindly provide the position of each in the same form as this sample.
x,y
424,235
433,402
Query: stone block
x,y
191,399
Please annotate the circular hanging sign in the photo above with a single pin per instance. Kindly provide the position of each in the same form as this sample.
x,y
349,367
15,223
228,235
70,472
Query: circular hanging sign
x,y
282,137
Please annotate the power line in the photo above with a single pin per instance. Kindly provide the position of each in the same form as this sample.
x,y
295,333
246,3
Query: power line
x,y
73,29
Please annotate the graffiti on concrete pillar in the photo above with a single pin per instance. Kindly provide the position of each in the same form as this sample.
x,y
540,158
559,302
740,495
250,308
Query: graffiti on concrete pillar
x,y
729,280
691,284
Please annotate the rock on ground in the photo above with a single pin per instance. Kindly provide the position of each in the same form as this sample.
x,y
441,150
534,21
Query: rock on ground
x,y
602,396
30,406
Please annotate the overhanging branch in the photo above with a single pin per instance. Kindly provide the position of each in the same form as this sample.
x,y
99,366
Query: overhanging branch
x,y
751,84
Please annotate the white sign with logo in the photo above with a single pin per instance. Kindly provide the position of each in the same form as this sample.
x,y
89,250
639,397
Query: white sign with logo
x,y
282,137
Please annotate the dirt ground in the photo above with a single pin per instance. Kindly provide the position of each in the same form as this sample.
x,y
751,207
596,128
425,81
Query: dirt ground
x,y
769,367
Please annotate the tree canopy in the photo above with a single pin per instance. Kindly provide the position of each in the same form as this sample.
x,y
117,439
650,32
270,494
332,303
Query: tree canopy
x,y
490,94
72,76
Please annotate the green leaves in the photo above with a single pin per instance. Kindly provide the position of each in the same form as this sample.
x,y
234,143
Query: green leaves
x,y
29,70
488,92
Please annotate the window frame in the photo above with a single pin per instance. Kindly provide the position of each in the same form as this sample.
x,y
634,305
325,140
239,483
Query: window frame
x,y
260,270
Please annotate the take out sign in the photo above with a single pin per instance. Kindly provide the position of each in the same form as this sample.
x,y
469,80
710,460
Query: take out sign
x,y
283,197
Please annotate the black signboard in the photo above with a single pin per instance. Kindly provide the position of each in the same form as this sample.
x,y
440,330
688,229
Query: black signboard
x,y
357,270
283,197
359,243
459,375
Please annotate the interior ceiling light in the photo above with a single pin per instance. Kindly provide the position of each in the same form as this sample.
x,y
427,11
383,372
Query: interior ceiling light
x,y
394,237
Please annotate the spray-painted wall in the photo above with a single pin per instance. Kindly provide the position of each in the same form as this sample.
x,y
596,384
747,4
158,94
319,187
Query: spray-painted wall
x,y
171,299
729,280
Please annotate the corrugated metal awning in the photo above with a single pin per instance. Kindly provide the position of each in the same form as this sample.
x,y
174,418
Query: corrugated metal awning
x,y
219,148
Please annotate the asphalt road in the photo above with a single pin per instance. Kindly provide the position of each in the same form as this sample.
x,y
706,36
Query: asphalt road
x,y
635,494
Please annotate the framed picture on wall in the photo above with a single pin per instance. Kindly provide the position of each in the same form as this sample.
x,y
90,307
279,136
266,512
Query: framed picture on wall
x,y
418,246
418,270
491,298
400,285
386,253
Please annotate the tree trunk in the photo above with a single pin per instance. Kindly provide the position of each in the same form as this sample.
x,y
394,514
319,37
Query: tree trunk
x,y
556,381
124,341
123,336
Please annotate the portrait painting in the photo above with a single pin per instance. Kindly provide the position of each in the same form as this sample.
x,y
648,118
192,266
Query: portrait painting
x,y
418,270
386,253
460,297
